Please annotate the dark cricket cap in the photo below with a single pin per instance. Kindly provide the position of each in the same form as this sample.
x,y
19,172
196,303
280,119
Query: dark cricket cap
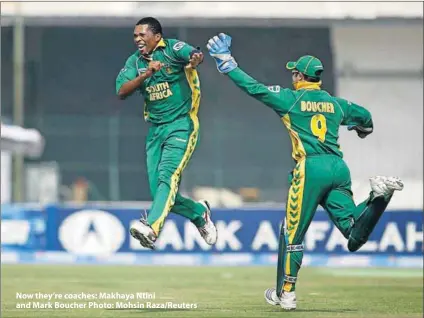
x,y
308,65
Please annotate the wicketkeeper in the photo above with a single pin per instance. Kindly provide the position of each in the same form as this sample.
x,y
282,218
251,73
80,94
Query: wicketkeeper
x,y
321,177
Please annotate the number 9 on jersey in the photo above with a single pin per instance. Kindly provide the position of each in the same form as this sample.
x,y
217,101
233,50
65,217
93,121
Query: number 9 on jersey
x,y
319,126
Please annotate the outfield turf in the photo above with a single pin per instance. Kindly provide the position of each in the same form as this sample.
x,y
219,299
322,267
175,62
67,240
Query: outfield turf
x,y
217,291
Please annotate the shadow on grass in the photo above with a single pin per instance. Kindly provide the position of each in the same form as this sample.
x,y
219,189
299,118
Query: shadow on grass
x,y
326,310
313,310
152,310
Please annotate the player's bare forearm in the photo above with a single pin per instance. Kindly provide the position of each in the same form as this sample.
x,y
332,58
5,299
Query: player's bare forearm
x,y
196,58
130,87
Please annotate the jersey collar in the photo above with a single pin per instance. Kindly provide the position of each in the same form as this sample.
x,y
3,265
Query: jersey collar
x,y
161,43
307,85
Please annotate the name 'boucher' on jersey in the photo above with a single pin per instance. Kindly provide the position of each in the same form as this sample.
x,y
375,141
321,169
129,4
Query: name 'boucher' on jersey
x,y
311,115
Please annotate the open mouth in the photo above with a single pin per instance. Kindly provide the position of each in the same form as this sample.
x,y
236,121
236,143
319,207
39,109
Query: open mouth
x,y
141,46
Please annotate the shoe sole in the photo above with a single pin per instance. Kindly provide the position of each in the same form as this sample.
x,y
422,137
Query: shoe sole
x,y
392,186
144,241
395,185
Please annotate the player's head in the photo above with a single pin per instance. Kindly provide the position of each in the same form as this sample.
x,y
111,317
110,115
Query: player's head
x,y
147,34
306,69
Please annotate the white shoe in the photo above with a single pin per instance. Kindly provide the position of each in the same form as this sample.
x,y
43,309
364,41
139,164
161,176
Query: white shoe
x,y
288,300
208,231
385,186
144,233
271,297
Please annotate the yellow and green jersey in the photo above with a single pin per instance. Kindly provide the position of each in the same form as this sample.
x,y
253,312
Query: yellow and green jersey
x,y
170,93
311,115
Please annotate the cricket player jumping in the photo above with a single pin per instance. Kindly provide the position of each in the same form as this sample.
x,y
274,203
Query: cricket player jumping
x,y
321,177
163,70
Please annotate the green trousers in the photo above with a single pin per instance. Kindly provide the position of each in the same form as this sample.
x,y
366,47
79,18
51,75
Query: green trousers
x,y
322,180
169,148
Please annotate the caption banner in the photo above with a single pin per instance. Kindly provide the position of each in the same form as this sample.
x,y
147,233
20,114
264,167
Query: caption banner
x,y
101,300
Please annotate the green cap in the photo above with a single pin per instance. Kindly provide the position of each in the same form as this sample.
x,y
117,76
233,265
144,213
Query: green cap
x,y
308,65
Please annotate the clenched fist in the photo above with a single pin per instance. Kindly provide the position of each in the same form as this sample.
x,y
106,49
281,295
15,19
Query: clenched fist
x,y
155,66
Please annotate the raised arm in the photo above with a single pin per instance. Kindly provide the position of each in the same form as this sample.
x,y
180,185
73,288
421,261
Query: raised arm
x,y
273,96
186,53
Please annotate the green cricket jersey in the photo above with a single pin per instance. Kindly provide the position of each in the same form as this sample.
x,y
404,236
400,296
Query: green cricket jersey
x,y
172,92
311,115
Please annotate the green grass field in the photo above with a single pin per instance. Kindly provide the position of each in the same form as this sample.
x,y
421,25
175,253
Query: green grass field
x,y
217,291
